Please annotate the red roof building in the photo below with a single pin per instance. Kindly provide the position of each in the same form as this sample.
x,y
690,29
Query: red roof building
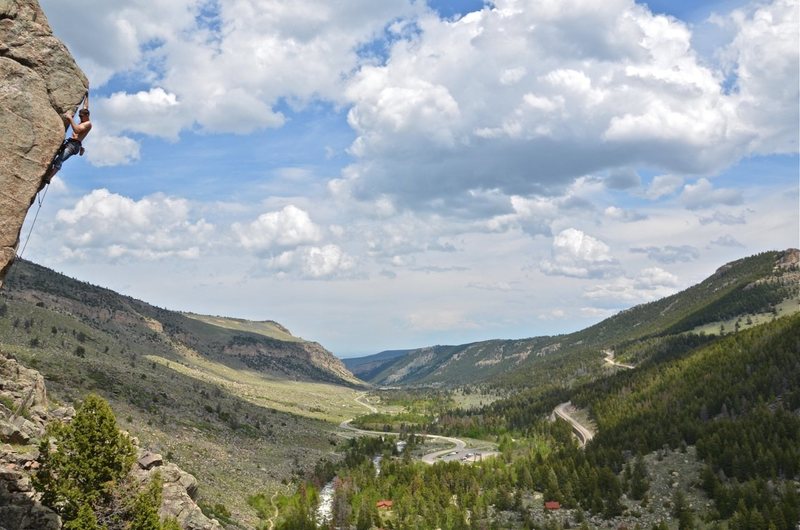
x,y
386,505
552,505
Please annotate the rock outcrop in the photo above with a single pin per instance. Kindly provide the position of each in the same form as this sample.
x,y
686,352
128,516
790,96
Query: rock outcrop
x,y
39,81
180,491
23,416
24,413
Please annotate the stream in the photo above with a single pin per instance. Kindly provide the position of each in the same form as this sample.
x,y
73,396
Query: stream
x,y
325,506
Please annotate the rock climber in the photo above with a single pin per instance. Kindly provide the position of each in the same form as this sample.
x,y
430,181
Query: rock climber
x,y
72,145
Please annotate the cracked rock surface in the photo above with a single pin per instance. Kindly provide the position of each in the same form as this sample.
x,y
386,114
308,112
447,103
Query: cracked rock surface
x,y
39,81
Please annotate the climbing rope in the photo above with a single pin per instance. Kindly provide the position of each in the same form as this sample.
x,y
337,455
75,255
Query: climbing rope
x,y
40,199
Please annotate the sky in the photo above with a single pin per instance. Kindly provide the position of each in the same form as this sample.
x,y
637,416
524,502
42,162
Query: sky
x,y
403,173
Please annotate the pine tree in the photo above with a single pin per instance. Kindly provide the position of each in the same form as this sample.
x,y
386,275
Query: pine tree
x,y
639,483
144,509
80,462
84,520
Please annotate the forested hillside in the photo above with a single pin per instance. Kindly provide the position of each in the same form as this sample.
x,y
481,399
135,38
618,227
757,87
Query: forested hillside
x,y
736,398
740,294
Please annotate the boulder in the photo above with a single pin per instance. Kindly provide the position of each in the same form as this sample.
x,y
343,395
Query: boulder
x,y
180,490
39,81
150,460
10,433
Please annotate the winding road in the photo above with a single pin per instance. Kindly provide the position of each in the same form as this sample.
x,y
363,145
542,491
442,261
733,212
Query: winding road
x,y
459,446
583,432
609,359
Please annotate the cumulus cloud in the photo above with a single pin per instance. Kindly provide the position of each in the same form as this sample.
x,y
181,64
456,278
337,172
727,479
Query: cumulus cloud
x,y
574,88
662,185
220,66
313,262
650,284
702,194
727,240
532,215
154,112
109,150
723,218
620,214
669,253
289,227
764,58
596,312
111,225
579,255
623,178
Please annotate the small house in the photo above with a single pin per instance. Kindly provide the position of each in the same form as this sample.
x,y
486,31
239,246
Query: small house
x,y
552,505
384,505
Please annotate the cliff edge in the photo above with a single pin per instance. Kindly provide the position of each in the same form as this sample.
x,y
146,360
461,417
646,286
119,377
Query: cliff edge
x,y
39,81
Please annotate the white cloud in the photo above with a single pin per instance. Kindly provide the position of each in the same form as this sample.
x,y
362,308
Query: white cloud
x,y
723,218
220,66
520,97
727,240
532,215
623,178
650,284
669,253
596,312
288,227
121,31
553,314
704,195
313,262
154,112
111,225
764,56
108,150
619,214
662,185
579,255
605,87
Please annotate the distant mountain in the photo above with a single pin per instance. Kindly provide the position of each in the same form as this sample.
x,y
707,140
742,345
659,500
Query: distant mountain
x,y
266,347
738,295
365,367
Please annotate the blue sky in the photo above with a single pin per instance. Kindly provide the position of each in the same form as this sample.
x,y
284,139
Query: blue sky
x,y
400,174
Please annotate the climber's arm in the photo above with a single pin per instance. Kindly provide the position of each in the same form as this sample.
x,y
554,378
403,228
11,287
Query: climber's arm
x,y
68,119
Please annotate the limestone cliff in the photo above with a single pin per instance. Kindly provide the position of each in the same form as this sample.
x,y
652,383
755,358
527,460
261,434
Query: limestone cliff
x,y
39,81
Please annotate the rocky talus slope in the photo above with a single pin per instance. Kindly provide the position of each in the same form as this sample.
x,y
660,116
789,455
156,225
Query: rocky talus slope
x,y
24,413
39,81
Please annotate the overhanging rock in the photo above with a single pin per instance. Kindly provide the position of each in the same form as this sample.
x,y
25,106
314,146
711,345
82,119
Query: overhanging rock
x,y
39,81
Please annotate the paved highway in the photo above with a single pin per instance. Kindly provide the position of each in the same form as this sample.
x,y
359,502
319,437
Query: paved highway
x,y
584,433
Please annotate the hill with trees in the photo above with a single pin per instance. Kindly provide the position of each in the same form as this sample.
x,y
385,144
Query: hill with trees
x,y
738,295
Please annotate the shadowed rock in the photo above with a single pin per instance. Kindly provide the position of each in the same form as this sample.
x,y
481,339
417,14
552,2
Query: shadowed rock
x,y
39,81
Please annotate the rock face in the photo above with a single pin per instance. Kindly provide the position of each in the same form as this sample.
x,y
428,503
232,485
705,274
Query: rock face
x,y
180,490
19,506
39,81
23,416
23,404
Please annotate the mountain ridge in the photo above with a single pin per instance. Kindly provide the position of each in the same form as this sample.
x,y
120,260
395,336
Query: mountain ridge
x,y
99,307
747,286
